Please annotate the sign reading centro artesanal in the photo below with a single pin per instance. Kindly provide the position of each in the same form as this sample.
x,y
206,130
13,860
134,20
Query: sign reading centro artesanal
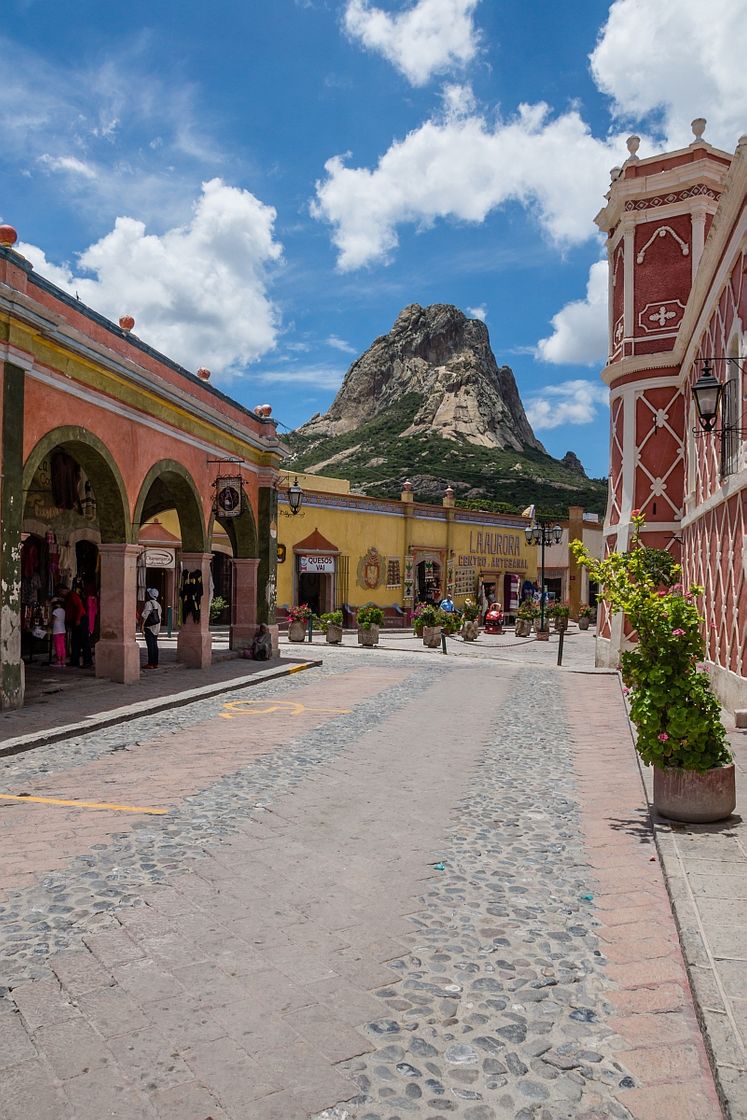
x,y
493,550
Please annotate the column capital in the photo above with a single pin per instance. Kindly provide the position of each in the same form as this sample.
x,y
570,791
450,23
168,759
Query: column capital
x,y
195,559
245,561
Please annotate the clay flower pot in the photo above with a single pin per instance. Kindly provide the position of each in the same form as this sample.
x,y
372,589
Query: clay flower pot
x,y
296,631
334,634
694,796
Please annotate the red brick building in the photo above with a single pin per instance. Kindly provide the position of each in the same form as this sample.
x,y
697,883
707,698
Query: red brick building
x,y
677,244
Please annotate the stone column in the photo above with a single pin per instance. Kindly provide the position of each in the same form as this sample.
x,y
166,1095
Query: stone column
x,y
244,602
194,646
12,386
117,653
267,547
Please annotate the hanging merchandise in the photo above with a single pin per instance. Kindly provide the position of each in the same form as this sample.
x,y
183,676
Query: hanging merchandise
x,y
190,593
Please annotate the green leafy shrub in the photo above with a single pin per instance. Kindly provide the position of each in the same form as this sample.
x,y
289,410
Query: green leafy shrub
x,y
217,606
369,616
528,610
425,615
331,618
470,610
677,716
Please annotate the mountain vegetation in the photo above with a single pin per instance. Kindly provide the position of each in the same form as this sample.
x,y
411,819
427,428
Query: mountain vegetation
x,y
429,404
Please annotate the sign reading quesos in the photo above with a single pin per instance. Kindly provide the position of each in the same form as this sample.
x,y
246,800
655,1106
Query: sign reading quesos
x,y
492,550
319,565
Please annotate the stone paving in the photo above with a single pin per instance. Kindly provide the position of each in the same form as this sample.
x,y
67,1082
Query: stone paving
x,y
410,895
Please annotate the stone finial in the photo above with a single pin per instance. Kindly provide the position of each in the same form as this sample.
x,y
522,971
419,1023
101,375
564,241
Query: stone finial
x,y
698,127
448,498
263,409
203,374
407,487
126,322
8,236
633,143
615,173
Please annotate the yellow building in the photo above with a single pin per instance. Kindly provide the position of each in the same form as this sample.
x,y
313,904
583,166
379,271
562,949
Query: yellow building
x,y
345,549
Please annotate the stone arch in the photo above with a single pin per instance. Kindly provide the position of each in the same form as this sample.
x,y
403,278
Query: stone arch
x,y
169,485
102,471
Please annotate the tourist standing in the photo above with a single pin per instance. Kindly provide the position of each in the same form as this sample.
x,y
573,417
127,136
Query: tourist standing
x,y
59,636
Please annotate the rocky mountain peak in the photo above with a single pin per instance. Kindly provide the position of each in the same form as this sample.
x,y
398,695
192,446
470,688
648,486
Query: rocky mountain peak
x,y
573,463
445,359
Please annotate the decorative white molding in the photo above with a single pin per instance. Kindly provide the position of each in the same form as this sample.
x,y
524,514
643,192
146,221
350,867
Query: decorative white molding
x,y
628,281
662,231
666,313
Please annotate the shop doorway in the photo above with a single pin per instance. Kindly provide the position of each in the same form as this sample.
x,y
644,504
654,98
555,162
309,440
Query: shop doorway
x,y
317,590
429,581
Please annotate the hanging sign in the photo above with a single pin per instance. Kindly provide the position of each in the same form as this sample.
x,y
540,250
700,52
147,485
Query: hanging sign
x,y
319,565
228,497
158,558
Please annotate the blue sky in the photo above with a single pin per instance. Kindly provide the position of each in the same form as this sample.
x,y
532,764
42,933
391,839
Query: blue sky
x,y
265,186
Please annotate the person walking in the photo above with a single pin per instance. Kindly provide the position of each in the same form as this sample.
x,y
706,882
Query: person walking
x,y
150,623
447,605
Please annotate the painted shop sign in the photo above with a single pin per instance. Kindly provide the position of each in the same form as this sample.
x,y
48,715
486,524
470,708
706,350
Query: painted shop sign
x,y
492,551
159,558
318,565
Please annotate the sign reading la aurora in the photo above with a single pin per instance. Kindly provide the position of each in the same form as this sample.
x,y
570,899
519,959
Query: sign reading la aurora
x,y
159,558
494,550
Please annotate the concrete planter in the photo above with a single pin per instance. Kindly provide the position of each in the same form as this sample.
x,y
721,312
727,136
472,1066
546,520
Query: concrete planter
x,y
522,628
542,635
470,630
368,637
432,636
296,631
561,623
334,634
583,623
695,797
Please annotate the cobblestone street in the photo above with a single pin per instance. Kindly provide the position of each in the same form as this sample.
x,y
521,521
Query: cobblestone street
x,y
394,885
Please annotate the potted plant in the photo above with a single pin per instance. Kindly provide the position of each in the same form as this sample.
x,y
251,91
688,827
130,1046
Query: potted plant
x,y
331,625
470,627
525,616
676,715
217,606
560,613
428,623
298,621
369,620
585,615
448,621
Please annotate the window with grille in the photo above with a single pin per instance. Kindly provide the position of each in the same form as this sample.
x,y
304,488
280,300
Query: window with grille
x,y
730,422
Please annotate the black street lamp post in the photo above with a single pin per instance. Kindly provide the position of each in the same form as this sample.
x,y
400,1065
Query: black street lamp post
x,y
542,533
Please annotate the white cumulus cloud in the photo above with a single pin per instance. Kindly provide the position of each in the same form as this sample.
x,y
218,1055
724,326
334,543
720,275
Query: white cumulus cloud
x,y
579,330
197,292
315,377
463,169
569,402
480,312
427,38
682,60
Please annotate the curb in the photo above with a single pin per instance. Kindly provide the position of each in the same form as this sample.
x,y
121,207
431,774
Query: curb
x,y
129,712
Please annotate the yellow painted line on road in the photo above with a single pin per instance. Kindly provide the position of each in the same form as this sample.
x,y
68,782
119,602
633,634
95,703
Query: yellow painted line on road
x,y
234,708
299,668
83,804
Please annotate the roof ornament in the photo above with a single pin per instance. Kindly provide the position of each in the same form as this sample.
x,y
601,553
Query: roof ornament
x,y
633,143
698,127
126,323
8,236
